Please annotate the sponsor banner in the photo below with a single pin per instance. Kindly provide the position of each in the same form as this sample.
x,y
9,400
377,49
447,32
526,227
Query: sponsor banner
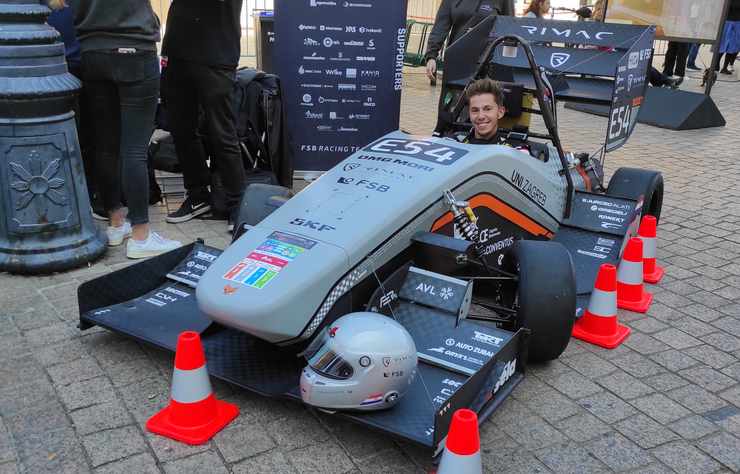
x,y
630,83
341,71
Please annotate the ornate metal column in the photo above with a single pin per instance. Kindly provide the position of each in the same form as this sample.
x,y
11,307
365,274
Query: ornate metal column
x,y
46,223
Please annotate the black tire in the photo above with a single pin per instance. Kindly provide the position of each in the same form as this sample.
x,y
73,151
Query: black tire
x,y
635,183
545,295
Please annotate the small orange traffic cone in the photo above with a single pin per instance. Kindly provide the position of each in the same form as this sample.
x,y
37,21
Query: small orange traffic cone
x,y
462,447
651,271
599,324
193,415
631,293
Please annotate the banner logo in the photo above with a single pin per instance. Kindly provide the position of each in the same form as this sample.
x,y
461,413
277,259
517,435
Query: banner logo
x,y
558,59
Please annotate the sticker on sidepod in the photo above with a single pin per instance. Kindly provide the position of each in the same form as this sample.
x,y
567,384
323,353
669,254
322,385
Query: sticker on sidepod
x,y
271,256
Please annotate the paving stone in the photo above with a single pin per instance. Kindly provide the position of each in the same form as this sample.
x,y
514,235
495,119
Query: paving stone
x,y
548,370
7,446
694,327
203,463
729,324
711,356
50,334
134,370
512,462
17,398
732,371
76,371
607,407
570,458
645,344
388,461
36,317
530,387
86,393
693,427
618,453
723,447
624,385
731,310
139,464
273,462
360,443
665,382
552,406
9,468
62,352
656,468
709,299
696,399
645,432
100,417
708,378
574,385
242,440
296,431
511,412
722,341
590,365
660,408
54,452
534,433
648,325
674,360
116,351
111,445
37,420
676,339
166,449
638,365
325,458
685,458
582,427
702,313
146,397
17,372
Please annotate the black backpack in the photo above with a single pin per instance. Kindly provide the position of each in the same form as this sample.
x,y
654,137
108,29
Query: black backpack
x,y
260,119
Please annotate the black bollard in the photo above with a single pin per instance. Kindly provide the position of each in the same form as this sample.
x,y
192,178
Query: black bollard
x,y
46,223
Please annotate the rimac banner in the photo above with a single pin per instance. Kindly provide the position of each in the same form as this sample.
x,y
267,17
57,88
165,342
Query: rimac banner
x,y
630,82
341,64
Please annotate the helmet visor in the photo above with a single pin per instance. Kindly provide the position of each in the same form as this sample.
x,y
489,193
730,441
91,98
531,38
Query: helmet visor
x,y
328,363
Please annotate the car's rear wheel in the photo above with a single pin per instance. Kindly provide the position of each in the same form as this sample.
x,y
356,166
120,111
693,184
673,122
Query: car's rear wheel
x,y
634,183
545,299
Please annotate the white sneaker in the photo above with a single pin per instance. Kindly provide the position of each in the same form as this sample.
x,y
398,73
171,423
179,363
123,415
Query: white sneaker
x,y
116,235
154,245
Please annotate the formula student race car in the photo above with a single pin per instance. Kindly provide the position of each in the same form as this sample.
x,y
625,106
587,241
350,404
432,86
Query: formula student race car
x,y
486,254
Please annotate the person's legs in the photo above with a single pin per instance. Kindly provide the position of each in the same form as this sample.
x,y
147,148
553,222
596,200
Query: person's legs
x,y
182,112
693,54
216,87
682,54
102,102
138,101
670,58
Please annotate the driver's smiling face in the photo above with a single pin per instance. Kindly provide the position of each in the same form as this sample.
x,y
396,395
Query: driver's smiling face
x,y
485,114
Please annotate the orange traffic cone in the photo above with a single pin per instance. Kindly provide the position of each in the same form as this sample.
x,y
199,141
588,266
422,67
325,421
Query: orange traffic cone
x,y
631,294
462,447
193,415
651,271
599,324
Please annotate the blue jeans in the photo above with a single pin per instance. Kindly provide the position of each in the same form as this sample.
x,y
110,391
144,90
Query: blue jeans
x,y
693,53
122,90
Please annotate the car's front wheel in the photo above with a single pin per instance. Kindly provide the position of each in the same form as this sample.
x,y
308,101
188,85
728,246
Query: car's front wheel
x,y
545,299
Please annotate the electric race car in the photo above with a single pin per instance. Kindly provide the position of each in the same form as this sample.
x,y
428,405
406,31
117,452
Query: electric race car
x,y
485,253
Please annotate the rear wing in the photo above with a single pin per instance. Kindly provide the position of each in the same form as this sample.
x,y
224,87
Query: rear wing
x,y
587,62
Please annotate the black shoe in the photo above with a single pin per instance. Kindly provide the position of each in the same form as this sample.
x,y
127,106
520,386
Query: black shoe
x,y
725,71
693,67
189,209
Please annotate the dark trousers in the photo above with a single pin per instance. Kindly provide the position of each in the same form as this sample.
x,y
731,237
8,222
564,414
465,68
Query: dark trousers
x,y
84,132
192,86
675,59
122,90
693,54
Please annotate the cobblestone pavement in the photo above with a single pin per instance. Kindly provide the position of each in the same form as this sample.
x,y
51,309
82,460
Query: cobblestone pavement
x,y
667,400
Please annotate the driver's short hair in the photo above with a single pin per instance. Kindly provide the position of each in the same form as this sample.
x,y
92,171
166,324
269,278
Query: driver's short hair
x,y
486,86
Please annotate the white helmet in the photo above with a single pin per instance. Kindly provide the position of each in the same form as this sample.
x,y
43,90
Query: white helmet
x,y
364,361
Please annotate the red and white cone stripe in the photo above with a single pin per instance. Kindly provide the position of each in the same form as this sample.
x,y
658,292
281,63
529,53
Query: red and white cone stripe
x,y
630,292
190,386
603,304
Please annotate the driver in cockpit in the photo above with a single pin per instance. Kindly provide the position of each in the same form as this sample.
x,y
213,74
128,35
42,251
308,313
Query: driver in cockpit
x,y
486,106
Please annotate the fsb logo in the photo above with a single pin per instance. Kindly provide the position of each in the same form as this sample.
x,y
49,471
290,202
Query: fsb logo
x,y
371,185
